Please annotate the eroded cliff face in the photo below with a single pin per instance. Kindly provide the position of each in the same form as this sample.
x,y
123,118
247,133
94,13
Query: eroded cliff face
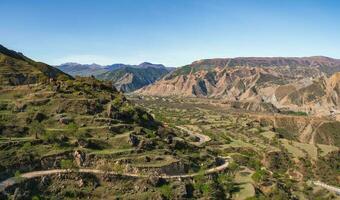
x,y
301,86
128,79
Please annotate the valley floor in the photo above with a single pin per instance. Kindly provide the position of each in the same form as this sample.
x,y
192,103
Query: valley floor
x,y
272,148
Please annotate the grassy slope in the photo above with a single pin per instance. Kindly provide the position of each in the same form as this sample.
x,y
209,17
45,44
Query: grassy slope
x,y
16,69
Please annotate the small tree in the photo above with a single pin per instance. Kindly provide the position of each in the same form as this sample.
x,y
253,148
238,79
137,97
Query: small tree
x,y
36,129
17,176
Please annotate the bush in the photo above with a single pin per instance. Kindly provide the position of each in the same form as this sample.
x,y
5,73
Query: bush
x,y
166,190
66,164
17,176
258,175
36,129
35,198
52,137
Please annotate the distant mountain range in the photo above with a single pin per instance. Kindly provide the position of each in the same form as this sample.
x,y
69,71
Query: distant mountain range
x,y
126,78
76,69
308,84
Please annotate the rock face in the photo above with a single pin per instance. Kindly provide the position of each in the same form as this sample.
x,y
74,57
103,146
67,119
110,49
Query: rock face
x,y
258,84
79,157
128,79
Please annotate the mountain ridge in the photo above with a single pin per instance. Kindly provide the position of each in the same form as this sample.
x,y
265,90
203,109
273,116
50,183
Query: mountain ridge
x,y
125,77
128,79
77,69
17,69
284,83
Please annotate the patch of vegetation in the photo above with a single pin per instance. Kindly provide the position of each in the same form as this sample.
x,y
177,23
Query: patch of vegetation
x,y
328,133
284,133
295,113
166,190
67,164
185,70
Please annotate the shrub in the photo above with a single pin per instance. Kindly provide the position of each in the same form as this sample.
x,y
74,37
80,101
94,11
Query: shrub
x,y
36,129
166,190
66,164
17,176
258,175
35,198
52,137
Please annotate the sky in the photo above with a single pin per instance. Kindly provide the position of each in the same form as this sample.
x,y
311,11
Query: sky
x,y
173,32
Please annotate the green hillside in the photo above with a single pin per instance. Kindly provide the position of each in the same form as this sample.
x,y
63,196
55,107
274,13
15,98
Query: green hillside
x,y
17,69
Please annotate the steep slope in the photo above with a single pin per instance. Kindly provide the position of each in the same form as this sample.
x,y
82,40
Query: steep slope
x,y
297,84
17,69
86,124
128,79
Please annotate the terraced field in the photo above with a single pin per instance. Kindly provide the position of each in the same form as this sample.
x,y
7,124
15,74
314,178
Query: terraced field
x,y
264,156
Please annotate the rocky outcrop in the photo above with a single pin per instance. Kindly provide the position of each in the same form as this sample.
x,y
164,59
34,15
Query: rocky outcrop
x,y
258,84
79,157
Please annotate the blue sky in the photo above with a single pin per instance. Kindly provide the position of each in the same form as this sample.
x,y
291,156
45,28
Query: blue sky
x,y
174,32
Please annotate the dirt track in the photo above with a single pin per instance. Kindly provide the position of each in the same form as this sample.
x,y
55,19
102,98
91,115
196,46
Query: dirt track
x,y
13,180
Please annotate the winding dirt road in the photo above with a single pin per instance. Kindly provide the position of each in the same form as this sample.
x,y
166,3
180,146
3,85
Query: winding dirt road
x,y
202,138
328,187
29,175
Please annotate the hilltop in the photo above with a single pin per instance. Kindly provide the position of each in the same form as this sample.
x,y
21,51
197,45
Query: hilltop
x,y
66,124
17,69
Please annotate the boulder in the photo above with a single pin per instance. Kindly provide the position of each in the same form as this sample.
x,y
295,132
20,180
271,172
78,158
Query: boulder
x,y
79,157
81,183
